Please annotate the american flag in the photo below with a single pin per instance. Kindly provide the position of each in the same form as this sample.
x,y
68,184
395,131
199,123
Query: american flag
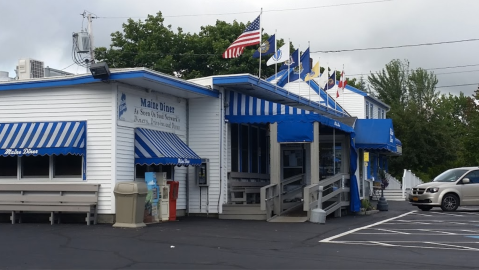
x,y
250,36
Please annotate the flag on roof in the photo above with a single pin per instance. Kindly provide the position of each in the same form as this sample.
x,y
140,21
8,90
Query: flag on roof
x,y
342,84
292,62
331,81
280,56
250,36
313,74
305,63
324,77
267,47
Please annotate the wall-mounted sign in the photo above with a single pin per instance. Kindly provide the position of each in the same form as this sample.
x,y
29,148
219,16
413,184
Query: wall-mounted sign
x,y
366,156
152,109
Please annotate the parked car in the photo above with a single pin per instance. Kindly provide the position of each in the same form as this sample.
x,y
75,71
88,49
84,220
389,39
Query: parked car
x,y
449,190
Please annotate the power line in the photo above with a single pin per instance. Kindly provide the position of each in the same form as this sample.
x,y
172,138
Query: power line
x,y
456,85
454,72
399,46
248,12
68,66
473,65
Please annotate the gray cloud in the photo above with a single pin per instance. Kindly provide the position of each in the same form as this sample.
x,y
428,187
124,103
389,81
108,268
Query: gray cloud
x,y
42,30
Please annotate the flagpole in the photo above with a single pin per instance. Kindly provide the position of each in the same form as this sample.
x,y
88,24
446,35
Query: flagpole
x,y
275,51
289,62
260,41
299,70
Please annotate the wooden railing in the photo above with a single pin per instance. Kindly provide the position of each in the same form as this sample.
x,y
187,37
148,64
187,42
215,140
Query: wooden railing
x,y
331,190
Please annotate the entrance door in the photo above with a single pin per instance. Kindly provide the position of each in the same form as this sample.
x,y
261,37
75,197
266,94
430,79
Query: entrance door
x,y
331,159
292,178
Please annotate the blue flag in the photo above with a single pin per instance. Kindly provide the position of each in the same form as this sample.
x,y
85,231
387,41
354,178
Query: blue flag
x,y
305,63
331,81
267,47
292,62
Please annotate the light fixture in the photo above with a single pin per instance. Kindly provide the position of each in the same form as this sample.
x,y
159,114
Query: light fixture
x,y
100,71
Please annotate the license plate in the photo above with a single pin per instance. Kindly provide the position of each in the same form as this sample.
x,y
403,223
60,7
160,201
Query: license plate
x,y
415,199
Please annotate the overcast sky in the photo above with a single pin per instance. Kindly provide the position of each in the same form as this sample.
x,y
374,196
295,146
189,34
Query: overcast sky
x,y
42,30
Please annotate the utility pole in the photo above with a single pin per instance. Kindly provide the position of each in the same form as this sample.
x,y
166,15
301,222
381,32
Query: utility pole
x,y
90,33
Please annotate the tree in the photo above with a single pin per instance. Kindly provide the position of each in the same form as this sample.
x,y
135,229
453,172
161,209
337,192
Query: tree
x,y
153,45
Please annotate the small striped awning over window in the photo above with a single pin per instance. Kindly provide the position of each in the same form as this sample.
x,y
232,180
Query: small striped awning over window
x,y
45,138
158,147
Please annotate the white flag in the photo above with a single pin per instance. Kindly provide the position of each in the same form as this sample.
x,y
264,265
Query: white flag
x,y
280,56
323,80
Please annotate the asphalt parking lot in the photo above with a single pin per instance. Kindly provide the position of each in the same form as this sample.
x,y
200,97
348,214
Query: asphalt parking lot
x,y
433,229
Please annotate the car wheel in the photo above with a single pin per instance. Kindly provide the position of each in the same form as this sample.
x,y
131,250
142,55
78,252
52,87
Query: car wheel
x,y
450,202
425,208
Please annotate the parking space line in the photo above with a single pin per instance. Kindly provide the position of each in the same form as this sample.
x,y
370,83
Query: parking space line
x,y
365,227
448,214
370,243
398,232
422,215
382,244
440,244
436,231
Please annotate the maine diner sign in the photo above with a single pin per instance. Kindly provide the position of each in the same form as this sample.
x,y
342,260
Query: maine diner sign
x,y
152,110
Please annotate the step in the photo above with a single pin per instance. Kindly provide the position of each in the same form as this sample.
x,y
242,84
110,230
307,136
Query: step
x,y
242,212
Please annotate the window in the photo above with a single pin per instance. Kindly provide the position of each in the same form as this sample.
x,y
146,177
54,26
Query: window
x,y
244,148
38,166
473,177
140,170
383,114
249,148
67,166
254,149
8,167
371,111
379,113
42,167
263,142
367,110
234,148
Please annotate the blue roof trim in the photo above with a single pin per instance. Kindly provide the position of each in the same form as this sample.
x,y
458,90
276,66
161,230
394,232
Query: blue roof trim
x,y
269,87
59,82
278,75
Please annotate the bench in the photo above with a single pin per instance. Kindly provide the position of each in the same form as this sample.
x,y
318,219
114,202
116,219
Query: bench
x,y
244,185
52,198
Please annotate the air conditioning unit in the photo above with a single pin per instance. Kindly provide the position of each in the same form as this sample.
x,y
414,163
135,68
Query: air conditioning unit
x,y
82,42
29,68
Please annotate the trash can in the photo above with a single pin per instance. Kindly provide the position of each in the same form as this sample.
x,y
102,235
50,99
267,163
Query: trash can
x,y
174,187
130,204
318,216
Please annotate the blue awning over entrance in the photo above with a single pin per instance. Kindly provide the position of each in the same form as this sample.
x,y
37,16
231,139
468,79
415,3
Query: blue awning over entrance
x,y
158,147
376,134
248,109
47,138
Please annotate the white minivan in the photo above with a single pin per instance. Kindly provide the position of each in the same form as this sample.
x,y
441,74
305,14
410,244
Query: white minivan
x,y
449,190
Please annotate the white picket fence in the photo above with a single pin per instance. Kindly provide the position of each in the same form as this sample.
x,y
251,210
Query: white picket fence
x,y
409,180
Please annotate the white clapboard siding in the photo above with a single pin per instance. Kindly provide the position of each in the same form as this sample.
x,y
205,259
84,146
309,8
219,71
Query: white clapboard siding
x,y
92,103
352,102
301,88
204,119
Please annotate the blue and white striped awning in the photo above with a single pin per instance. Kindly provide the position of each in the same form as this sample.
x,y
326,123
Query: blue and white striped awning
x,y
248,109
46,138
158,147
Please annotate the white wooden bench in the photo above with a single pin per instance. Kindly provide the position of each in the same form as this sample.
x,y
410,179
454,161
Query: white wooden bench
x,y
53,198
243,184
